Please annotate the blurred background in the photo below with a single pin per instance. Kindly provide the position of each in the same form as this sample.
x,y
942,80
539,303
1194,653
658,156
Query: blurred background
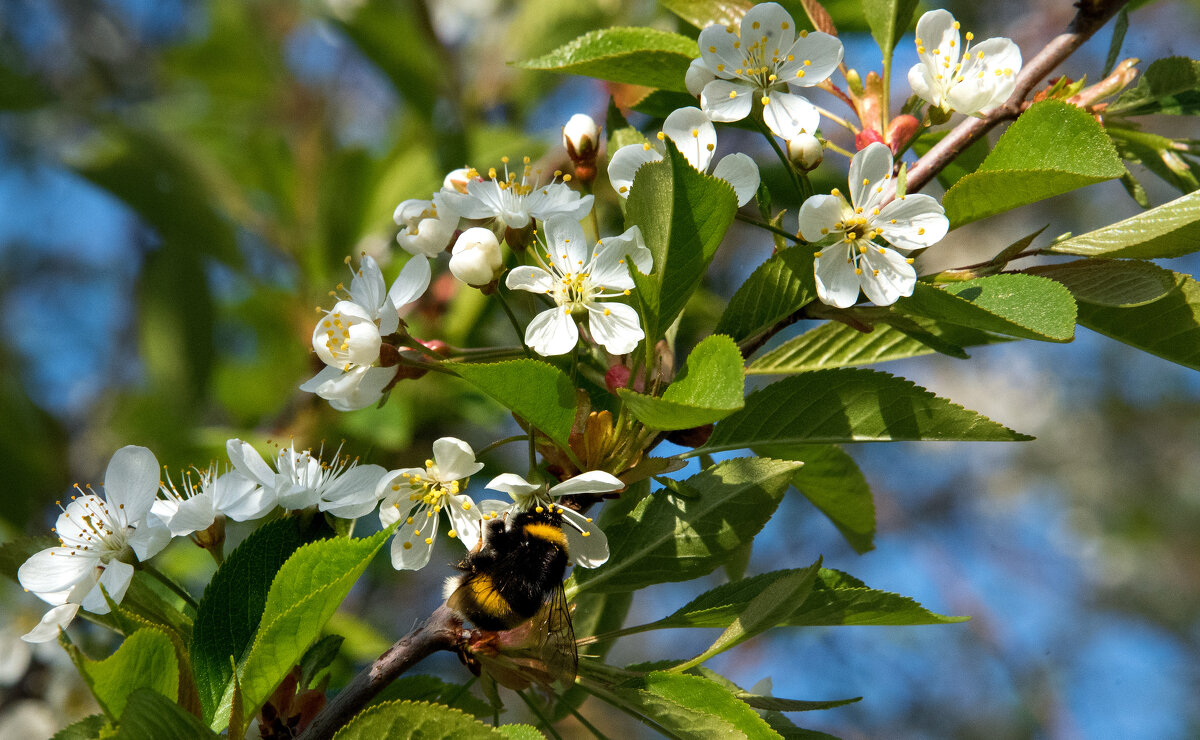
x,y
180,181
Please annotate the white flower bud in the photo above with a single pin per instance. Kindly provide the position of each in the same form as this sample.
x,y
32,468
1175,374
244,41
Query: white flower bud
x,y
805,151
457,180
476,257
581,137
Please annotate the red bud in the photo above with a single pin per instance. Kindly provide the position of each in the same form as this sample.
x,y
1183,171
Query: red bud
x,y
901,130
866,138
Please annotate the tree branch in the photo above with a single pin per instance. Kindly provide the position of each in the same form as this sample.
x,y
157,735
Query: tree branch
x,y
441,631
1091,16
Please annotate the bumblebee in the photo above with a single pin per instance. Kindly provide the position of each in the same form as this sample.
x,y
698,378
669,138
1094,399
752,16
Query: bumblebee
x,y
515,579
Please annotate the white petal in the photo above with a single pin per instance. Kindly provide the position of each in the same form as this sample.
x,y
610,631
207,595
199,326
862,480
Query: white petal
x,y
625,163
327,373
131,482
608,267
491,508
615,326
240,498
149,538
529,278
115,579
741,172
410,283
920,221
771,21
837,285
466,518
922,83
512,484
895,276
822,50
191,515
818,214
55,569
593,481
936,30
590,551
552,332
54,620
867,168
357,389
718,51
420,544
727,101
367,287
454,459
568,246
353,494
698,75
693,134
788,115
249,463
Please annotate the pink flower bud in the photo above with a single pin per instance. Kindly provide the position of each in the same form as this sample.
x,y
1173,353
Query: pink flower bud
x,y
866,138
901,130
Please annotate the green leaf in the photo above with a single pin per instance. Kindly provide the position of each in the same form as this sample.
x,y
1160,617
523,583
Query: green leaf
x,y
637,56
434,690
771,703
683,215
710,387
146,659
536,391
966,162
305,593
232,605
888,20
834,344
831,480
1024,306
1170,230
1117,283
705,13
414,720
88,728
1051,149
521,732
835,599
850,405
1170,85
767,608
688,706
1118,37
151,716
780,286
1168,327
668,537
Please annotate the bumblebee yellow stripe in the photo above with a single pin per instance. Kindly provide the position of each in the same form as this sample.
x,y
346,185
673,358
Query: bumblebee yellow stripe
x,y
547,532
487,598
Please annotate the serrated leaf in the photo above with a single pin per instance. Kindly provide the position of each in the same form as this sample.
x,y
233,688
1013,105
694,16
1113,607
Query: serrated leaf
x,y
888,19
1120,26
771,703
88,728
145,660
1051,149
414,720
1170,230
636,56
434,690
832,481
705,13
231,608
536,391
305,593
683,215
688,706
710,387
668,537
1116,283
780,286
151,716
850,405
520,732
1170,85
1024,306
833,344
1168,327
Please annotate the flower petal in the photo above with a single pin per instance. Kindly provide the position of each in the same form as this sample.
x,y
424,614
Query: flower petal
x,y
466,519
552,332
818,215
625,163
240,498
54,620
529,278
615,326
367,287
815,56
327,373
586,544
413,543
770,25
249,463
919,220
718,50
887,276
512,484
357,389
741,172
869,166
55,569
698,75
410,284
567,244
788,115
935,30
190,515
455,459
837,283
131,483
592,481
726,101
115,580
693,134
353,494
149,538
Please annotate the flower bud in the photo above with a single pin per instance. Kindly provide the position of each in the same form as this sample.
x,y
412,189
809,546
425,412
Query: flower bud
x,y
855,82
805,151
901,130
581,137
476,257
457,180
618,377
866,138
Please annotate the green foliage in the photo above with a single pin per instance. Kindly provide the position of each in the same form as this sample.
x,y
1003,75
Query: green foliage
x,y
1168,327
704,13
1051,149
145,660
88,728
415,719
710,387
638,56
434,690
687,706
1120,26
1169,85
151,716
850,405
832,482
232,606
1023,306
1170,230
683,215
677,537
536,391
780,286
888,19
833,344
1117,283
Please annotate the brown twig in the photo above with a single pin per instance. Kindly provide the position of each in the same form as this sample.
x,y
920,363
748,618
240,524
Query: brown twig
x,y
441,631
1091,16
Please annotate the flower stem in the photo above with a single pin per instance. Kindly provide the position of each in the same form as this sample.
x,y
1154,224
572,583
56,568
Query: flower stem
x,y
787,163
764,225
500,442
170,584
513,320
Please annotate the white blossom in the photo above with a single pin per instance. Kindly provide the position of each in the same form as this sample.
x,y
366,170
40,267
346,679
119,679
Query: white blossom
x,y
696,138
203,495
417,497
301,479
426,226
514,201
581,137
957,77
579,279
99,538
761,61
855,260
586,544
476,257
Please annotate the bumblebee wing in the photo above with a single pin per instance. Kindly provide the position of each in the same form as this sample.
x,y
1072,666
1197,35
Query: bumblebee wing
x,y
557,644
